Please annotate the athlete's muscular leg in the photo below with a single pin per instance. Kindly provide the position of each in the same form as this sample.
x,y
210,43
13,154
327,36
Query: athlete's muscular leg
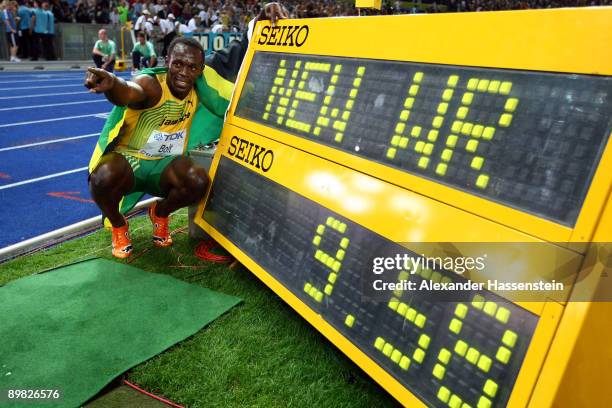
x,y
109,182
184,184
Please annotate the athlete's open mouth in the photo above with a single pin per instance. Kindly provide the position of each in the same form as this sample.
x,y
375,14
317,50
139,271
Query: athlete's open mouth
x,y
182,82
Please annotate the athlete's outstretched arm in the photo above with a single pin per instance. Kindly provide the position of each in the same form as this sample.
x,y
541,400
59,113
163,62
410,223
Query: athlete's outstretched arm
x,y
141,93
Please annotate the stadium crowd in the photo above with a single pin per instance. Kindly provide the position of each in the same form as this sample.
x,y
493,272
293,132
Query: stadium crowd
x,y
29,24
238,12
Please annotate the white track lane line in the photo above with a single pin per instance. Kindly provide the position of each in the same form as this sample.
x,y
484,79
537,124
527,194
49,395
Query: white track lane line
x,y
64,139
34,180
44,80
52,119
50,104
79,76
83,92
40,87
39,78
36,77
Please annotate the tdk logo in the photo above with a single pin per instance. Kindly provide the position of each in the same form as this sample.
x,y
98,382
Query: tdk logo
x,y
174,136
251,153
286,36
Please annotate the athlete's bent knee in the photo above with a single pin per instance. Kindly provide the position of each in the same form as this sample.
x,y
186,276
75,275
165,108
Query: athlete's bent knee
x,y
196,183
112,174
102,179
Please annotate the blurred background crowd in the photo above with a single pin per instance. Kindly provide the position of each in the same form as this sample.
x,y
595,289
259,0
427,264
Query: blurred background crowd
x,y
30,25
234,14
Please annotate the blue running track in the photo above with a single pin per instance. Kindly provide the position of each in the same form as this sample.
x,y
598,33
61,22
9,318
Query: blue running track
x,y
49,125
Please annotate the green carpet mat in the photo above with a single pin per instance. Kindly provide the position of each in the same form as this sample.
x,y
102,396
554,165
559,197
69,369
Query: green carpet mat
x,y
76,328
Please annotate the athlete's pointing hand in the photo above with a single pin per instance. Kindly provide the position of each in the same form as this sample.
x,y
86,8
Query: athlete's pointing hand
x,y
98,80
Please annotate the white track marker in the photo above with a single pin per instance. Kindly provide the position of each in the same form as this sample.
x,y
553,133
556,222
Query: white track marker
x,y
34,180
50,104
64,139
30,122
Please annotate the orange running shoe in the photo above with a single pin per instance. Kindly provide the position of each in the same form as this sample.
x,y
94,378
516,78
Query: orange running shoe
x,y
161,236
122,245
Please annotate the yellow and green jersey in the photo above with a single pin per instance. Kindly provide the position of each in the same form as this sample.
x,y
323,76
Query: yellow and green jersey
x,y
160,131
213,88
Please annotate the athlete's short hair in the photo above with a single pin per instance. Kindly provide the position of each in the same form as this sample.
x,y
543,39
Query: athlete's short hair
x,y
189,42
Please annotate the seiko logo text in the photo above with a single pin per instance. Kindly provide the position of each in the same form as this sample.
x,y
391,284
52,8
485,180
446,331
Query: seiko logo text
x,y
286,36
251,153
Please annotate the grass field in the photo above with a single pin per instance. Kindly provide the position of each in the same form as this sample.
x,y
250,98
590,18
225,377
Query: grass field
x,y
260,354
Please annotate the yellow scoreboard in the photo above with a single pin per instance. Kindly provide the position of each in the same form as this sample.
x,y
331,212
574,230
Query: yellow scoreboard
x,y
349,139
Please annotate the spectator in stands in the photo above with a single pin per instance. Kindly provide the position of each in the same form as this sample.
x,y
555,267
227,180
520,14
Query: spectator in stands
x,y
25,18
49,33
175,8
39,26
213,16
104,52
186,14
218,27
225,19
10,23
195,24
148,28
168,31
68,12
102,14
137,8
114,16
149,7
143,54
123,10
163,13
141,20
157,7
82,15
182,29
203,16
58,11
234,20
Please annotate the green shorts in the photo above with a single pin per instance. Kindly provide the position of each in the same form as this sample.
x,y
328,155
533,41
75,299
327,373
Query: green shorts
x,y
147,173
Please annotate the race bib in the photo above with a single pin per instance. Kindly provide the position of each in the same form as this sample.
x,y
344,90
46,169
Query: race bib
x,y
162,144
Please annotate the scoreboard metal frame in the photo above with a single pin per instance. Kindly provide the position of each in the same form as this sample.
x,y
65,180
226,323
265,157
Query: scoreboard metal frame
x,y
574,41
